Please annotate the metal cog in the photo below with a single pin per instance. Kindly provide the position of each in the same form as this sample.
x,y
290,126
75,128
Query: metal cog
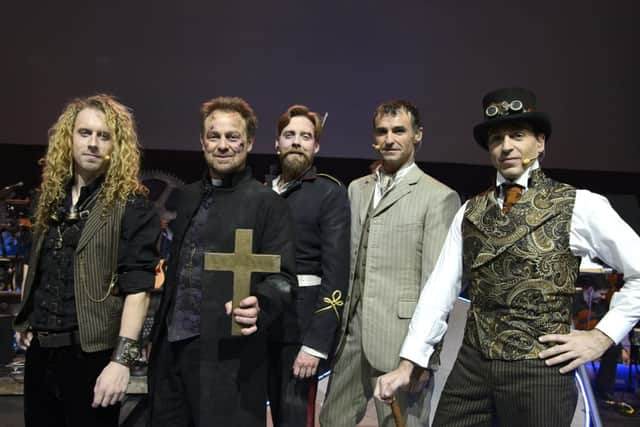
x,y
162,186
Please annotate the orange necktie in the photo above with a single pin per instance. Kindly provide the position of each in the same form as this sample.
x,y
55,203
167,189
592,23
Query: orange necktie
x,y
512,193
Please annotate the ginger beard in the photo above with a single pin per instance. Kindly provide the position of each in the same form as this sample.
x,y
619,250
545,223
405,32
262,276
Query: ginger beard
x,y
294,162
296,147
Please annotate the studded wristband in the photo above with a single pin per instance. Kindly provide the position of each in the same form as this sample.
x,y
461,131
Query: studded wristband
x,y
126,352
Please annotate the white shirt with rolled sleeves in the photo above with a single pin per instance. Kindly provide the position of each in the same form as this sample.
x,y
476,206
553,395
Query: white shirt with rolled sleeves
x,y
597,231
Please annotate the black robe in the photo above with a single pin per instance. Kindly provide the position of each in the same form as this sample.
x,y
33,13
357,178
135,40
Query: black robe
x,y
232,369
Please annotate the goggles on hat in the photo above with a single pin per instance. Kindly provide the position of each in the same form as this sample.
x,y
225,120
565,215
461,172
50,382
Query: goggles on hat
x,y
504,108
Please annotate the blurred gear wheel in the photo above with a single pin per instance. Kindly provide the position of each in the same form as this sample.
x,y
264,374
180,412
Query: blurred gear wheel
x,y
162,192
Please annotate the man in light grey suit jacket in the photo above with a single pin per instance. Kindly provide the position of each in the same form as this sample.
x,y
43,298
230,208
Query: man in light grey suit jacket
x,y
400,218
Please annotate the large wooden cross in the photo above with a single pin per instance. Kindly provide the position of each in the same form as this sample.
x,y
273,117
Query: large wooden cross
x,y
241,263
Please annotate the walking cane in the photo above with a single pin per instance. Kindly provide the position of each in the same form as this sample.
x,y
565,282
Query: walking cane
x,y
397,413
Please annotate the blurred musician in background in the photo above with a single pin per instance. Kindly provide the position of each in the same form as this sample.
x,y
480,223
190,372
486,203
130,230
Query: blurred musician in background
x,y
590,304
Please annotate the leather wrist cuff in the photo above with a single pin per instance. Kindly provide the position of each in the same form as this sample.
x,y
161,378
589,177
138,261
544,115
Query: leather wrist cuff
x,y
126,352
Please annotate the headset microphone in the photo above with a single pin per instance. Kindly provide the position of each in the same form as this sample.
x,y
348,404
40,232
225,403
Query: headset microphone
x,y
527,161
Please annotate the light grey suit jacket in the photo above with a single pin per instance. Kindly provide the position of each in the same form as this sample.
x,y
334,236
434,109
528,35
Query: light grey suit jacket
x,y
406,232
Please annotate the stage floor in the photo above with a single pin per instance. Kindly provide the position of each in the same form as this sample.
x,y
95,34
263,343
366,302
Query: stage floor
x,y
457,319
609,416
134,416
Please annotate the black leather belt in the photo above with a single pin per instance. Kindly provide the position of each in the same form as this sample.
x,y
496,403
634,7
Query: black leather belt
x,y
57,339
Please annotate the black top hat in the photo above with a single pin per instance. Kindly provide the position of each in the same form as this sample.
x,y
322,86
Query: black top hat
x,y
509,105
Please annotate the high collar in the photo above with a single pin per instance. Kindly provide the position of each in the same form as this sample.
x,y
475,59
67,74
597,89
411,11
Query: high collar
x,y
85,191
404,169
522,181
89,188
229,182
309,175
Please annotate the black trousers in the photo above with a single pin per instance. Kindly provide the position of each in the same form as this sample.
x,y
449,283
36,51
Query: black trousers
x,y
483,392
292,400
189,389
58,388
606,376
175,401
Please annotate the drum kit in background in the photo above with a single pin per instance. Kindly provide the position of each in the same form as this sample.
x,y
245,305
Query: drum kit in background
x,y
15,236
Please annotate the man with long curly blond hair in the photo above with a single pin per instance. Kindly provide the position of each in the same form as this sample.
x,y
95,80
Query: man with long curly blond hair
x,y
91,267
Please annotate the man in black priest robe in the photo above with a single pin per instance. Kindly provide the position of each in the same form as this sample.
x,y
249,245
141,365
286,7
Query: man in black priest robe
x,y
201,375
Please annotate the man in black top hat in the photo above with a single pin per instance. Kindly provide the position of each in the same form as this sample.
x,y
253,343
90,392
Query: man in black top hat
x,y
518,246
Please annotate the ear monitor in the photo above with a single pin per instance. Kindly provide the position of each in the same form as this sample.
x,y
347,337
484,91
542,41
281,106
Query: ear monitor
x,y
376,147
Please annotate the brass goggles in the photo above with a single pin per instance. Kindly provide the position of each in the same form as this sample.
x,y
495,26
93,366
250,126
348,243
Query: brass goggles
x,y
504,108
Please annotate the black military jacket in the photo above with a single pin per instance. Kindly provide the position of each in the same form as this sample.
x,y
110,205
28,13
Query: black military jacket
x,y
320,209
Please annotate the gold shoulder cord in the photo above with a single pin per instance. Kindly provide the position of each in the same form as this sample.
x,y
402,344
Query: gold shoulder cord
x,y
326,175
332,302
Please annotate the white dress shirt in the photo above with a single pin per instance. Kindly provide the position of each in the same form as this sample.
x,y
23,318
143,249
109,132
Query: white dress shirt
x,y
395,178
596,231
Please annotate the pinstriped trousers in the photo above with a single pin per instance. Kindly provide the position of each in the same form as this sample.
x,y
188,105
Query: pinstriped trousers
x,y
351,387
483,392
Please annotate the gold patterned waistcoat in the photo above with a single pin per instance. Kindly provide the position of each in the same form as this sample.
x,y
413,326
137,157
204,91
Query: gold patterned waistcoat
x,y
519,268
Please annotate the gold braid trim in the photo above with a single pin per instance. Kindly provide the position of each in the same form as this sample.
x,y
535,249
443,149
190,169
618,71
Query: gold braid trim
x,y
332,303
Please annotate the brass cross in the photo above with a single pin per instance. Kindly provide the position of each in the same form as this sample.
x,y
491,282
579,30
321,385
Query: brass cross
x,y
242,263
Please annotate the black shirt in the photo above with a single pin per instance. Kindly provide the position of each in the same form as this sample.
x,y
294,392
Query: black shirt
x,y
184,322
53,301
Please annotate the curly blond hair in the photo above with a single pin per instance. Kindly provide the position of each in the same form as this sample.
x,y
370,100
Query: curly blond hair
x,y
122,176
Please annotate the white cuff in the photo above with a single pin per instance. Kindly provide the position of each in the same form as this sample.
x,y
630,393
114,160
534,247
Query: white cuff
x,y
313,352
418,354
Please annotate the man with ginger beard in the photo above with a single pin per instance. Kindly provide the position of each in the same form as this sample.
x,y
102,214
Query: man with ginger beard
x,y
305,336
199,373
